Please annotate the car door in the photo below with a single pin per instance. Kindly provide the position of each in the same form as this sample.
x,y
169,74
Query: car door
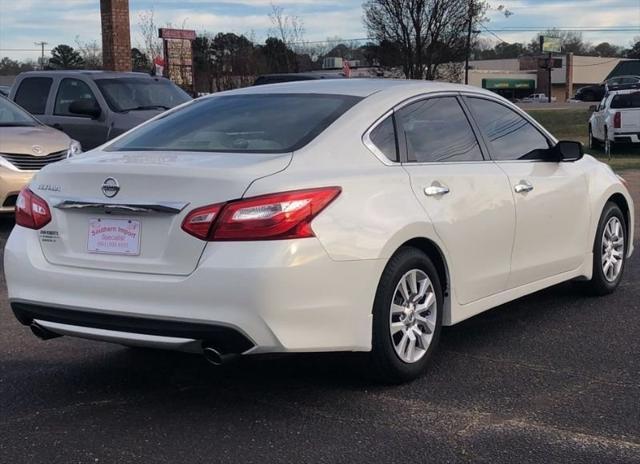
x,y
89,131
596,122
551,198
466,198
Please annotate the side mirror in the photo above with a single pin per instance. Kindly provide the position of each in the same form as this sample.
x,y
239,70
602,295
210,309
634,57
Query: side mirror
x,y
593,108
567,150
85,107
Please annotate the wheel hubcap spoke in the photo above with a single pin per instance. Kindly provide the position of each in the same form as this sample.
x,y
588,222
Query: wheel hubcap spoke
x,y
412,319
612,249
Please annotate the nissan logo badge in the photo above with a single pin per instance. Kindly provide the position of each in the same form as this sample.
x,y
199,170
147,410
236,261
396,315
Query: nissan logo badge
x,y
110,187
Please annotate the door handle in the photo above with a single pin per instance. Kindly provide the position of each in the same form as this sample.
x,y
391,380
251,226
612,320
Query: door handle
x,y
523,187
436,190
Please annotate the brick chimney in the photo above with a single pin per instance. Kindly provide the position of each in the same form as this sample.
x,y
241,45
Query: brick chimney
x,y
116,35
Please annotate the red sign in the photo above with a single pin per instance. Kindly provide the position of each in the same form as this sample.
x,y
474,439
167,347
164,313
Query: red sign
x,y
179,34
346,69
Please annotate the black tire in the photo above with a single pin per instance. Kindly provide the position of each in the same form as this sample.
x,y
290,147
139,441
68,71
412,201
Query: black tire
x,y
384,364
593,142
599,285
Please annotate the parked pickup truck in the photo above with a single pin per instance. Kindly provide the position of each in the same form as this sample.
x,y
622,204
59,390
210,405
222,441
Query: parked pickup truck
x,y
93,107
537,98
617,118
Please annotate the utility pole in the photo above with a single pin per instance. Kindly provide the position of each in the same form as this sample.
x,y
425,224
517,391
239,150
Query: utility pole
x,y
549,86
42,44
466,60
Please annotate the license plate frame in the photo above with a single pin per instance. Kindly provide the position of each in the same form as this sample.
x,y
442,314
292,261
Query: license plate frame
x,y
118,237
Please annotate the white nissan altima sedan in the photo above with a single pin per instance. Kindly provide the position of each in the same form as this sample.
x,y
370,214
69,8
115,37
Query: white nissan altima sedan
x,y
342,215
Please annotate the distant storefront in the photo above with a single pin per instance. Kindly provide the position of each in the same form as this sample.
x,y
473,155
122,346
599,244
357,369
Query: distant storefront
x,y
510,88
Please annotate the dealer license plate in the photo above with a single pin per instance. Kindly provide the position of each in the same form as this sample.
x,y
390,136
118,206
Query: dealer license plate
x,y
114,236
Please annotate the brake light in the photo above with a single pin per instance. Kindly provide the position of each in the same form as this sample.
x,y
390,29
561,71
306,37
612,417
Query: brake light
x,y
275,216
617,120
199,221
32,211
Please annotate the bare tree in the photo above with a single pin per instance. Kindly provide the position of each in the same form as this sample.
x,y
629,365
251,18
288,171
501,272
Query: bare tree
x,y
289,29
429,33
91,53
152,45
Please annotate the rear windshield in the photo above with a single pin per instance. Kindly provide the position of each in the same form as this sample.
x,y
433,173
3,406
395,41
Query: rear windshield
x,y
626,100
274,123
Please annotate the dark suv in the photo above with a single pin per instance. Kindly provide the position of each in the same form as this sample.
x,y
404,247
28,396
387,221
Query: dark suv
x,y
94,106
596,92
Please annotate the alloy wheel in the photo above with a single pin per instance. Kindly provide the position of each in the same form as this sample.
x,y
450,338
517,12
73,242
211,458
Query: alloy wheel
x,y
412,319
612,249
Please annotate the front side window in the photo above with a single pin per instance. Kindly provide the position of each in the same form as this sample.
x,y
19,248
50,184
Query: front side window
x,y
125,94
69,91
384,139
33,93
510,136
249,123
437,130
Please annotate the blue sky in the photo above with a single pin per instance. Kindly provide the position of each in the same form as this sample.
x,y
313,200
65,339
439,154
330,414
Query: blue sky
x,y
23,22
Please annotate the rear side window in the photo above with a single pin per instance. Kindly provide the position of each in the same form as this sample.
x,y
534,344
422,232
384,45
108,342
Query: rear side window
x,y
33,93
270,123
384,139
511,137
628,100
437,130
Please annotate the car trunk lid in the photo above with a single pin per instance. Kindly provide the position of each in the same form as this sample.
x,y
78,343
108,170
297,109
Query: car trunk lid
x,y
134,225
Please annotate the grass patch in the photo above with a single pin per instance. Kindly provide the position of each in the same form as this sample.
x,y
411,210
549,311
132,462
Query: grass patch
x,y
573,124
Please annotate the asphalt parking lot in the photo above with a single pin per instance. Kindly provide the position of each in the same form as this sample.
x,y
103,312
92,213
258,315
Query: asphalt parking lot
x,y
553,377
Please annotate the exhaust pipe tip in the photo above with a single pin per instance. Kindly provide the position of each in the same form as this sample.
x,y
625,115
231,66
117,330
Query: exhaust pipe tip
x,y
213,356
41,332
216,358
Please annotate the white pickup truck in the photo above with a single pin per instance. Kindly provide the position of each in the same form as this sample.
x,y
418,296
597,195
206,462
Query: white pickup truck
x,y
537,98
617,118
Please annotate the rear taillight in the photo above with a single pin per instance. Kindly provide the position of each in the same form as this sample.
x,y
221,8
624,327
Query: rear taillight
x,y
31,210
199,221
617,120
276,216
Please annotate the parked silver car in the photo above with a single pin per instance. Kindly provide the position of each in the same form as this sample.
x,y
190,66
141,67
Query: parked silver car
x,y
93,107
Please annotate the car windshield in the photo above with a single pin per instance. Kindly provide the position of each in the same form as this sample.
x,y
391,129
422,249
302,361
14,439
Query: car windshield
x,y
259,123
626,100
11,115
140,93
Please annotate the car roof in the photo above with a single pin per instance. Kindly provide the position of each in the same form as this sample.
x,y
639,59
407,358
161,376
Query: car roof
x,y
93,74
313,74
356,87
625,76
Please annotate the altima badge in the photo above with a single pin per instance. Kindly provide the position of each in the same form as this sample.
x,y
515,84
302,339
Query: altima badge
x,y
110,187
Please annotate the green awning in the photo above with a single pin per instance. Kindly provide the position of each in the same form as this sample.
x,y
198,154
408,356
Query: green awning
x,y
508,84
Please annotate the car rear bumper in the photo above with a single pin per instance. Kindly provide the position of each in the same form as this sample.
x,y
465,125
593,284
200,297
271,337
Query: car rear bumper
x,y
271,296
626,137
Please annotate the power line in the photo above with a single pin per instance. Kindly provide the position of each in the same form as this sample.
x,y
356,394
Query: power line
x,y
493,34
567,29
